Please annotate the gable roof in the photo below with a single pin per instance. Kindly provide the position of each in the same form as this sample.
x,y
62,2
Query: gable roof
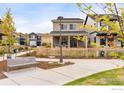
x,y
32,33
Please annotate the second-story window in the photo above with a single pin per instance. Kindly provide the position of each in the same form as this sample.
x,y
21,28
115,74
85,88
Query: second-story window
x,y
38,37
94,39
32,36
63,26
72,27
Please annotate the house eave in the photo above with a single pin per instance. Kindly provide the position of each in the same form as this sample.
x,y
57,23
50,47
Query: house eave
x,y
68,21
68,33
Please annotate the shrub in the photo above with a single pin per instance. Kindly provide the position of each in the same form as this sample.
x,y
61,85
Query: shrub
x,y
120,53
122,57
47,45
1,51
113,54
44,44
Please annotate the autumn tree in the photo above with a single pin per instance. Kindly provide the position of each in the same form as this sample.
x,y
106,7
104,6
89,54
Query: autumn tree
x,y
8,30
108,8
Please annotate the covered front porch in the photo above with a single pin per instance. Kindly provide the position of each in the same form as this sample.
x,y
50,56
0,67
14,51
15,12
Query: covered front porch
x,y
108,40
68,42
68,39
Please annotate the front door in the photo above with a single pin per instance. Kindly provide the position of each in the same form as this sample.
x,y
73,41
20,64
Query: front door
x,y
73,42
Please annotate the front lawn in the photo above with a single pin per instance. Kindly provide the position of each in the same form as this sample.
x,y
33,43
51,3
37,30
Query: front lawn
x,y
110,77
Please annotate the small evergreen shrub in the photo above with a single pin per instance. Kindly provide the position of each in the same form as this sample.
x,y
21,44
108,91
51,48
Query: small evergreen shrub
x,y
113,54
122,57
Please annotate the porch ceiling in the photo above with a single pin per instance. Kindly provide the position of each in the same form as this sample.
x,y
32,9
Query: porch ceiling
x,y
66,33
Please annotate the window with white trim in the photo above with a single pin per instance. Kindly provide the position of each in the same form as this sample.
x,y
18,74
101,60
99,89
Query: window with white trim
x,y
32,36
63,26
72,26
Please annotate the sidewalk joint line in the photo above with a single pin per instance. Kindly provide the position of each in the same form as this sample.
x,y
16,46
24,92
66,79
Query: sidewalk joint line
x,y
62,74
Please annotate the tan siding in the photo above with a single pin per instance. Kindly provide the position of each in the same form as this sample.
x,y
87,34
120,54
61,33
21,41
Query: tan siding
x,y
56,26
45,38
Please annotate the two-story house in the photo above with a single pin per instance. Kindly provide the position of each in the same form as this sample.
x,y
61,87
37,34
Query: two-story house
x,y
70,27
21,38
39,39
34,39
102,38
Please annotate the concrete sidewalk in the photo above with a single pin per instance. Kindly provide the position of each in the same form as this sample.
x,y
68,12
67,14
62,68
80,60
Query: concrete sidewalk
x,y
61,75
15,55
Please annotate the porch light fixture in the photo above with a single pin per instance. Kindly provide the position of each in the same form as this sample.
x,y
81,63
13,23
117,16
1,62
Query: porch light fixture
x,y
60,18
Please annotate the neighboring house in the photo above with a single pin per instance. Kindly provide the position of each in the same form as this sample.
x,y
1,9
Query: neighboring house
x,y
39,39
70,27
21,39
103,39
34,39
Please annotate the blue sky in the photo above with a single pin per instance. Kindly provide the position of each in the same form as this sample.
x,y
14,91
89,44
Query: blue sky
x,y
37,17
29,17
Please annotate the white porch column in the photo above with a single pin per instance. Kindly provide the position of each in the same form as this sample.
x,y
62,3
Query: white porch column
x,y
115,42
68,41
106,42
77,43
51,41
86,42
86,46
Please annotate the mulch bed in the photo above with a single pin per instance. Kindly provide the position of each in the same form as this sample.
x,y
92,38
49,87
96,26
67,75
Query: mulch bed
x,y
49,65
2,76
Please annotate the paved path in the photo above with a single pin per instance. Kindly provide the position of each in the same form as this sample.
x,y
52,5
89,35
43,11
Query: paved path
x,y
61,75
14,55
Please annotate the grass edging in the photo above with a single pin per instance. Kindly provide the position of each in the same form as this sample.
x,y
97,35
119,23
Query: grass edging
x,y
108,74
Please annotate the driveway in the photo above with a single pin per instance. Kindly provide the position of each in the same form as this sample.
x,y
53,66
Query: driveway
x,y
61,75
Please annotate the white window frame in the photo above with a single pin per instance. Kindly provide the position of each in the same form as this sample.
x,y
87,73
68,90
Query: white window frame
x,y
73,24
33,36
33,43
66,27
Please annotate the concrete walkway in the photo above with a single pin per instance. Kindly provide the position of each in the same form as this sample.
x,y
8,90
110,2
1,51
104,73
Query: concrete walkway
x,y
15,55
61,75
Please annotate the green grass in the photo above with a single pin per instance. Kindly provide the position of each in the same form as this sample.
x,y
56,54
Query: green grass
x,y
110,77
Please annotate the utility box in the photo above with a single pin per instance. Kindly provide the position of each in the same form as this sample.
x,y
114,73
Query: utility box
x,y
101,53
